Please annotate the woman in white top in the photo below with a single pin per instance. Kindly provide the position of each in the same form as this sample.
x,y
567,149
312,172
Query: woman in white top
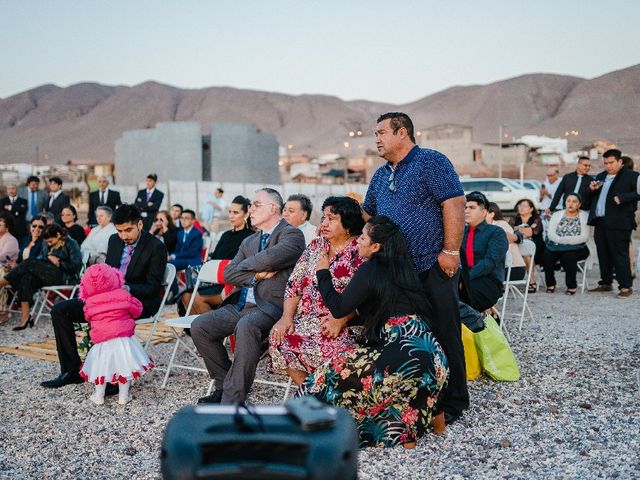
x,y
495,217
568,234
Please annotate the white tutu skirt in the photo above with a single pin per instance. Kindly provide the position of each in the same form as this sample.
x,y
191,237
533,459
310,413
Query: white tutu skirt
x,y
118,360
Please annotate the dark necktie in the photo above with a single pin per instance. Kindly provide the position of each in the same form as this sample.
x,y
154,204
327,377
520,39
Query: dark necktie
x,y
242,299
33,209
102,202
469,247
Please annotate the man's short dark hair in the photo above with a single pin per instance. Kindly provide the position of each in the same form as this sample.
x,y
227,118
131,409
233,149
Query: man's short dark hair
x,y
57,180
33,178
179,206
153,176
190,212
583,158
305,203
126,213
275,196
219,190
399,120
479,198
613,152
627,161
349,211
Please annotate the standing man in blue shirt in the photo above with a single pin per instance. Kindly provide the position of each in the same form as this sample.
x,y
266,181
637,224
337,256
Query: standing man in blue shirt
x,y
419,190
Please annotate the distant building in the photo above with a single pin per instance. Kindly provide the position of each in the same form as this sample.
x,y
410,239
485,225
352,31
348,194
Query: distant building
x,y
232,152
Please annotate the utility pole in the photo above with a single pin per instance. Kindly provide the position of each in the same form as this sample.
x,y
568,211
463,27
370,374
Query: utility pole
x,y
500,151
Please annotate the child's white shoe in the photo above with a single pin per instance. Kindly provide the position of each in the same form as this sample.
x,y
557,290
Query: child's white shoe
x,y
124,400
98,400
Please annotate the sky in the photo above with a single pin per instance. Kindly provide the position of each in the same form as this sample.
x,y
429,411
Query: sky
x,y
389,51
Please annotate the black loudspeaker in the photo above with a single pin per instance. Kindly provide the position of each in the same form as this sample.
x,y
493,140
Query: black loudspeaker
x,y
302,439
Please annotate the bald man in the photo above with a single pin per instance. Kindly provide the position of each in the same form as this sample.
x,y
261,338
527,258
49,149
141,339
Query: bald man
x,y
104,196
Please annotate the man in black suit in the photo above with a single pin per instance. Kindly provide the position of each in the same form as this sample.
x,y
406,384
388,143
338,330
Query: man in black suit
x,y
104,196
142,258
17,207
36,198
574,182
613,196
149,200
57,199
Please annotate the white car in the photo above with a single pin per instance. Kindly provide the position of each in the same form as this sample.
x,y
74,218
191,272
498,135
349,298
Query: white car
x,y
503,191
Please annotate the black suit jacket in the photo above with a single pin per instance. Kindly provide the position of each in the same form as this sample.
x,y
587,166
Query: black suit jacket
x,y
150,208
567,186
19,213
624,186
58,204
145,270
113,202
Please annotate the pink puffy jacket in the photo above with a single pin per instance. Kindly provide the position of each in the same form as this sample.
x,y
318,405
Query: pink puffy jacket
x,y
107,307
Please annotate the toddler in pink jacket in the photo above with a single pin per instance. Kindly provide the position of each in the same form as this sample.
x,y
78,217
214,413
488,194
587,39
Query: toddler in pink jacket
x,y
116,357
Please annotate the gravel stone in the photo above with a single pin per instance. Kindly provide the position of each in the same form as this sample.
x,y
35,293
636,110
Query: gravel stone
x,y
574,414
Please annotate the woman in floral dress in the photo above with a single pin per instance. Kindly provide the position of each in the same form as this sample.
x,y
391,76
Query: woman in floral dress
x,y
391,384
307,335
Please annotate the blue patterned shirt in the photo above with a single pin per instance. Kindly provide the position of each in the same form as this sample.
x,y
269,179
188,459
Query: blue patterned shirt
x,y
424,179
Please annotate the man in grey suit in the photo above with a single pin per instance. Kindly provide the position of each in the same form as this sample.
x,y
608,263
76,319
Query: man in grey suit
x,y
36,198
260,272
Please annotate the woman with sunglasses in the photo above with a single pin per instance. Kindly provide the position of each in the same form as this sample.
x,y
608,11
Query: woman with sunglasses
x,y
165,230
60,263
33,246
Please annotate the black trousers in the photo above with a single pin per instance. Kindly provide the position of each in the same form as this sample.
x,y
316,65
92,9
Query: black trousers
x,y
63,316
613,255
485,292
442,292
568,259
29,276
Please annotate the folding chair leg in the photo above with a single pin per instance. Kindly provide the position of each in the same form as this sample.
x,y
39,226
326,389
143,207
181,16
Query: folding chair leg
x,y
170,364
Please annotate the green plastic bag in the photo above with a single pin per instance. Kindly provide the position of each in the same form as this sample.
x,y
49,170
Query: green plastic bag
x,y
495,355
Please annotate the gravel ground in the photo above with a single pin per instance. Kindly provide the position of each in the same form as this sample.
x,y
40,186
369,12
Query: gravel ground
x,y
574,414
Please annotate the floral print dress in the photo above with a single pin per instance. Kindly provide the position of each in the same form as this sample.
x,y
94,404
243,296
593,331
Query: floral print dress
x,y
307,348
390,390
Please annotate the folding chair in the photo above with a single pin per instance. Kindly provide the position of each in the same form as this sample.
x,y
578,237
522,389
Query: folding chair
x,y
167,280
583,267
211,272
511,287
43,303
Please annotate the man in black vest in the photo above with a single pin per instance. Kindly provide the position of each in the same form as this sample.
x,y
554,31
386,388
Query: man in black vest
x,y
613,195
143,258
104,196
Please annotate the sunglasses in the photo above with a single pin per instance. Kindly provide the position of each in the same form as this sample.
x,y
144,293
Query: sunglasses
x,y
39,227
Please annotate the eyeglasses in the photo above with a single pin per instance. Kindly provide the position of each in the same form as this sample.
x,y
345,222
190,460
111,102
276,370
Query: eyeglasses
x,y
158,220
258,204
392,182
39,227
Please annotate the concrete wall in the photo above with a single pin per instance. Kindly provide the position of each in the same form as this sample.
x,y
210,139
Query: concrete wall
x,y
240,152
172,150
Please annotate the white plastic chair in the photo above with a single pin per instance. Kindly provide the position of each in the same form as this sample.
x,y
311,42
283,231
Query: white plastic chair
x,y
167,280
209,273
511,287
583,267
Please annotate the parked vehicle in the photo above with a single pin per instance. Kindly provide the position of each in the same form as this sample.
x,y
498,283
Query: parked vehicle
x,y
503,191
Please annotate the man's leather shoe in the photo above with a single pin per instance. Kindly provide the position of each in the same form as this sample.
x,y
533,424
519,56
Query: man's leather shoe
x,y
601,288
624,292
450,417
215,397
63,379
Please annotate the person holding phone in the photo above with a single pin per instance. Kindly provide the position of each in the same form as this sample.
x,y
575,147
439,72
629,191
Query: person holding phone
x,y
528,224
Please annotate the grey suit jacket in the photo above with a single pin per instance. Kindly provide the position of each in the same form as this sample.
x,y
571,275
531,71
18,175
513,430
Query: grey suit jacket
x,y
41,199
285,246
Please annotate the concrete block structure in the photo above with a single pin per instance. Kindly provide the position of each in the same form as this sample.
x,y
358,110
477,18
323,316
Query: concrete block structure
x,y
178,151
172,150
242,153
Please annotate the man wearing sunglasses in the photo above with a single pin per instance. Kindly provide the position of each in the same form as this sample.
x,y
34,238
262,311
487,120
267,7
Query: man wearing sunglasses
x,y
420,191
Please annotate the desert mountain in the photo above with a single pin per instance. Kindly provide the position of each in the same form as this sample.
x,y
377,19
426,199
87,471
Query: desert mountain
x,y
83,121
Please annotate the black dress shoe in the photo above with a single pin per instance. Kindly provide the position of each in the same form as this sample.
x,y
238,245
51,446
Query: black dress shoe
x,y
63,379
215,397
450,418
112,389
